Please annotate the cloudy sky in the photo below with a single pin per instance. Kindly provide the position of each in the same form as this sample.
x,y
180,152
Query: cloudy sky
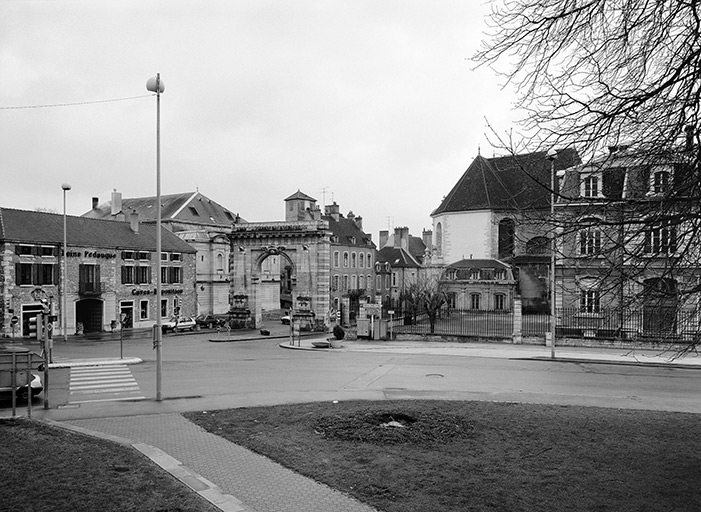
x,y
374,104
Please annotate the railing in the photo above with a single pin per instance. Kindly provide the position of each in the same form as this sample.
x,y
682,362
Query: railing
x,y
645,325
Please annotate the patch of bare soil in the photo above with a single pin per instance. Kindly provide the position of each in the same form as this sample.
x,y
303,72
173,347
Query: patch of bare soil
x,y
394,427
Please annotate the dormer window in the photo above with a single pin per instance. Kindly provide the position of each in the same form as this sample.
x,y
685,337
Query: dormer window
x,y
590,186
660,182
474,273
194,211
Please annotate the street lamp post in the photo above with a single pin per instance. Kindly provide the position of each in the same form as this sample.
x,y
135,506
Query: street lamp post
x,y
552,156
64,316
154,84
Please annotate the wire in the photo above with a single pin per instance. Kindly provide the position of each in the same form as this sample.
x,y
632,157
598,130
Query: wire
x,y
76,104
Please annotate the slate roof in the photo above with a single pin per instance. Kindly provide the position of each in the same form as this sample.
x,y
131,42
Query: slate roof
x,y
345,229
506,183
47,228
470,263
397,257
417,247
188,207
300,195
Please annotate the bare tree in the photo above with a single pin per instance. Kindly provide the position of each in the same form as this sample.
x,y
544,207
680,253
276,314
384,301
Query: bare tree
x,y
620,81
425,295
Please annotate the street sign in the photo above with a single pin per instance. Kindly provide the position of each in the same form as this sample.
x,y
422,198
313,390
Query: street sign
x,y
14,320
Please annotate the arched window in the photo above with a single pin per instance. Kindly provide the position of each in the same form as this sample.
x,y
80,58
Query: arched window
x,y
507,229
439,238
345,260
336,259
354,282
334,283
220,262
354,260
361,260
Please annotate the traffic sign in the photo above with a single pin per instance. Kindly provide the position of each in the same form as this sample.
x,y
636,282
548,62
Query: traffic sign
x,y
14,320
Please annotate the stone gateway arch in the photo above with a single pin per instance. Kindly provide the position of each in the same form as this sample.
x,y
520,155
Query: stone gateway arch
x,y
275,263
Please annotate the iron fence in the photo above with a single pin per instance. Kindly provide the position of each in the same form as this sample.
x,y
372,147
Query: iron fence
x,y
645,324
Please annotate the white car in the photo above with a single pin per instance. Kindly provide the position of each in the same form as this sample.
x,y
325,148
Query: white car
x,y
179,323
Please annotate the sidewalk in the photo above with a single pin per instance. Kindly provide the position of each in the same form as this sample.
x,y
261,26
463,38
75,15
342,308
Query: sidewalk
x,y
510,351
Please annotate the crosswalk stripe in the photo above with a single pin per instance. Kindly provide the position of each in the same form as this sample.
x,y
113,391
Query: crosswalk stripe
x,y
117,380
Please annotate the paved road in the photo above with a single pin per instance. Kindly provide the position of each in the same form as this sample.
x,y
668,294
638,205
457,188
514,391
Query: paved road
x,y
200,374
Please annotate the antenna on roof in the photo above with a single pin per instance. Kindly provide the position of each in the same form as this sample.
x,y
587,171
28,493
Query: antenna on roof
x,y
323,196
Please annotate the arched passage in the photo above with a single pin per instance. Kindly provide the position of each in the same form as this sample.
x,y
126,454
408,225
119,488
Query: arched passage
x,y
285,263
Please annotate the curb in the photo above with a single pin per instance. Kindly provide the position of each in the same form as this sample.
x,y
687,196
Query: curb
x,y
197,483
79,363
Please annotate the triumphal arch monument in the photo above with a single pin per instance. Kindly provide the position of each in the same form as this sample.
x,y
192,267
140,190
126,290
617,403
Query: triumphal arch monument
x,y
280,262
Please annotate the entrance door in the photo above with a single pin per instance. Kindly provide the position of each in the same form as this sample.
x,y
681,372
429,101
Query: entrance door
x,y
660,307
127,309
89,313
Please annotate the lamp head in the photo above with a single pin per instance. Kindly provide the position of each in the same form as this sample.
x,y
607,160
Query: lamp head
x,y
156,85
552,154
66,186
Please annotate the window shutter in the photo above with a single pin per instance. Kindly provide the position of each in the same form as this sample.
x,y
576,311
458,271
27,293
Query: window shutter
x,y
149,272
124,274
97,274
57,275
18,273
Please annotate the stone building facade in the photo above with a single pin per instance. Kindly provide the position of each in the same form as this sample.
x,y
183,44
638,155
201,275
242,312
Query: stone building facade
x,y
110,271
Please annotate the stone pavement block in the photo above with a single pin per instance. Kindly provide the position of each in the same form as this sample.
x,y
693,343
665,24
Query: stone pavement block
x,y
256,482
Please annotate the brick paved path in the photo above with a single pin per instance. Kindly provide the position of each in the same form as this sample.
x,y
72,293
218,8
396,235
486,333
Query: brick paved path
x,y
259,483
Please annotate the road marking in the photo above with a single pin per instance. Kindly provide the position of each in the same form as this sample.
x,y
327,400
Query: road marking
x,y
115,380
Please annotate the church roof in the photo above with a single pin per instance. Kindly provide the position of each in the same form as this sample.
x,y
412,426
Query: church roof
x,y
506,183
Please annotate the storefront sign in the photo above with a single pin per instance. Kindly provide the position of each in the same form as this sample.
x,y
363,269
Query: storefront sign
x,y
165,291
90,254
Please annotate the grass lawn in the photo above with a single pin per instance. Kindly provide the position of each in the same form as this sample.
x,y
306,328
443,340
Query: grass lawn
x,y
443,456
47,469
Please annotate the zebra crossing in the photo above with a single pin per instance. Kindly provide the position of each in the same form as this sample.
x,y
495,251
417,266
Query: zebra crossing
x,y
103,384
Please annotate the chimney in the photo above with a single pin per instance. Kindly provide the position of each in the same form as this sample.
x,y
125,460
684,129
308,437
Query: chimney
x,y
116,202
359,222
401,238
427,237
334,211
134,221
95,201
384,236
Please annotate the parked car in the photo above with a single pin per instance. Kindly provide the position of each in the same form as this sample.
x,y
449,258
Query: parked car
x,y
285,319
179,323
210,321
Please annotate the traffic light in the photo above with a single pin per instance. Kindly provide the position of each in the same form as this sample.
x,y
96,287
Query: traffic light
x,y
36,326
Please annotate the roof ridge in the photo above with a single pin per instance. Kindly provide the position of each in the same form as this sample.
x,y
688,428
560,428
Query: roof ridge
x,y
185,203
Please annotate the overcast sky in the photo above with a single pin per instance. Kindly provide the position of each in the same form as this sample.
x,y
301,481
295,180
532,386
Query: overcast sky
x,y
374,104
